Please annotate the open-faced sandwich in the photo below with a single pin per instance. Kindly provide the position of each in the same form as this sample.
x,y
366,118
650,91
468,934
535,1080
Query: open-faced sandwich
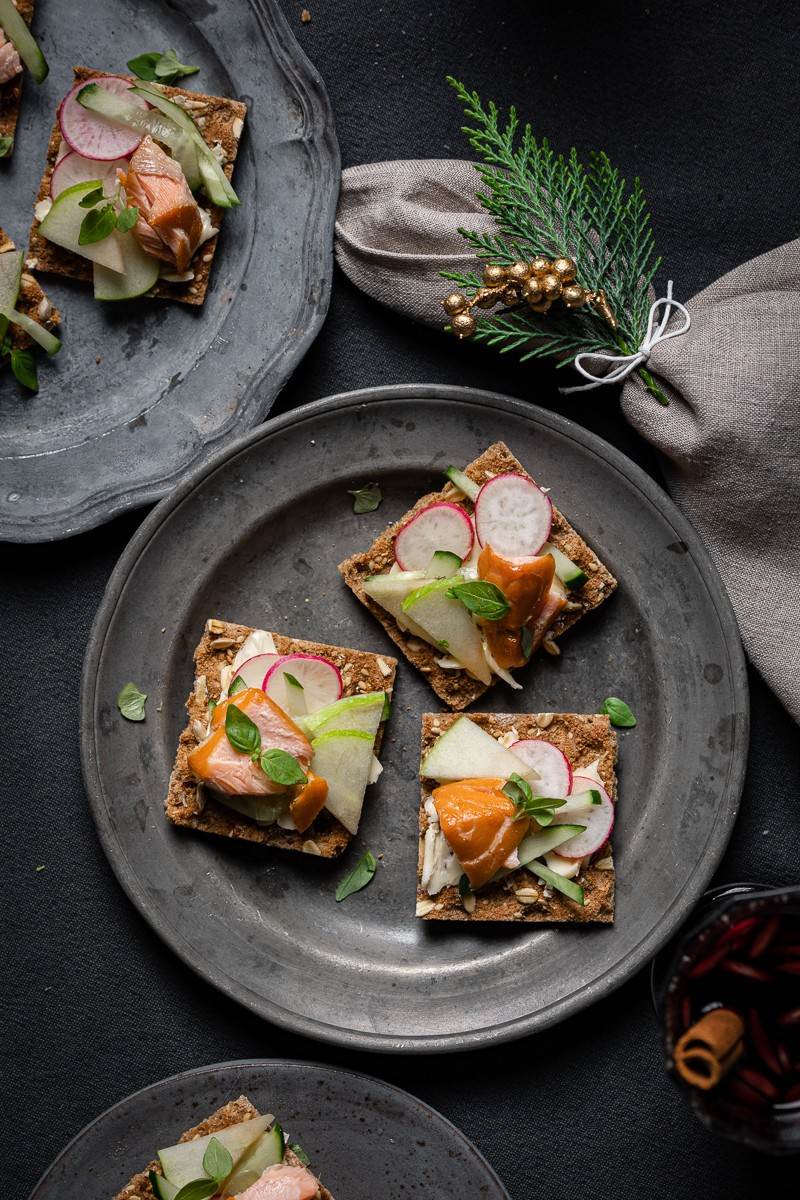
x,y
26,316
515,818
18,49
282,739
477,577
234,1152
137,177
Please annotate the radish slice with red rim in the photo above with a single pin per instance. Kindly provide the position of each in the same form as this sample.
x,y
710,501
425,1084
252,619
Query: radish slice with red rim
x,y
95,137
320,680
513,516
550,764
441,526
73,168
253,670
598,819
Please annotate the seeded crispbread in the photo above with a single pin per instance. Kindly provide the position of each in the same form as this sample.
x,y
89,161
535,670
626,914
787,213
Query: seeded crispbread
x,y
458,689
31,301
11,92
223,122
189,804
583,738
233,1113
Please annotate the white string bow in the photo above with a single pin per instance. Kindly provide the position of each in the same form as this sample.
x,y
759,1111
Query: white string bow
x,y
623,364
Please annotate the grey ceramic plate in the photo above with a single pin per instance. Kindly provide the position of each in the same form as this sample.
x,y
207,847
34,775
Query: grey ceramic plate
x,y
256,538
172,384
365,1138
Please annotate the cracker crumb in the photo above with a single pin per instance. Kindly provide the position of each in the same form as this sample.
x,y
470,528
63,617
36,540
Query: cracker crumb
x,y
424,907
384,667
305,16
310,847
222,643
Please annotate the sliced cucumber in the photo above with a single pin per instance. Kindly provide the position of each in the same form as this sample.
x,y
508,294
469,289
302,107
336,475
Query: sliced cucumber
x,y
580,802
159,126
184,1162
62,226
266,1152
214,180
443,565
16,30
570,574
139,275
10,276
539,843
161,1187
463,482
573,890
43,337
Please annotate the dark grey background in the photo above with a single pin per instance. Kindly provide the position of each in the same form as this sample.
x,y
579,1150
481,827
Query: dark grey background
x,y
701,100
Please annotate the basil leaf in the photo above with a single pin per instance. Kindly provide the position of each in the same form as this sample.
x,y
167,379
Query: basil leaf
x,y
164,67
518,789
217,1160
238,685
6,146
23,364
367,498
127,218
282,768
526,642
299,1152
198,1189
242,733
93,197
358,878
618,712
97,224
144,65
482,598
294,682
573,890
131,701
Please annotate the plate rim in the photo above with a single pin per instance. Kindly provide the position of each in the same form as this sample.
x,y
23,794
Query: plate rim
x,y
619,972
266,1063
93,510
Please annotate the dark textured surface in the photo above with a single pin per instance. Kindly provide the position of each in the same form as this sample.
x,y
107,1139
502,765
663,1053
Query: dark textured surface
x,y
340,1118
702,101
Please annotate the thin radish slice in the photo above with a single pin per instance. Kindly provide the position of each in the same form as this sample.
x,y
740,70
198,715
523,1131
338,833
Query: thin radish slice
x,y
320,680
513,516
549,763
73,168
253,670
92,136
438,527
599,821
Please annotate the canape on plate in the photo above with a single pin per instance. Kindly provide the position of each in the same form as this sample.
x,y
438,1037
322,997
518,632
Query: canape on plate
x,y
244,1153
478,577
282,739
30,300
515,818
148,167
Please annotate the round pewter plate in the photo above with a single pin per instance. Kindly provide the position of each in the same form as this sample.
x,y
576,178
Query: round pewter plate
x,y
143,391
364,1138
255,537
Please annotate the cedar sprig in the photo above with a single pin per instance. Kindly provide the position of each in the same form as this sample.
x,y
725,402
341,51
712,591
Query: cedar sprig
x,y
552,204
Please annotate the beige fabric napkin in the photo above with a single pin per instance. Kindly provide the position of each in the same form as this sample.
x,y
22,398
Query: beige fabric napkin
x,y
730,438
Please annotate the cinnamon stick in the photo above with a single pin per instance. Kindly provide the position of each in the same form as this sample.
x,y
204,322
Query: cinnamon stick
x,y
709,1048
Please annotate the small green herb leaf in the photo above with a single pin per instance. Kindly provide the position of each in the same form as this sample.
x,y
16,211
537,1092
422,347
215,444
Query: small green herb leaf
x,y
294,682
93,197
482,598
540,808
127,218
23,364
6,146
367,498
464,887
144,65
164,67
198,1189
282,768
300,1153
243,734
217,1160
131,702
358,878
518,790
238,685
573,890
526,642
97,224
618,712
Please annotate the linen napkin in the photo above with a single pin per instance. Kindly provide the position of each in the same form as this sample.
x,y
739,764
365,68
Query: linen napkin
x,y
729,440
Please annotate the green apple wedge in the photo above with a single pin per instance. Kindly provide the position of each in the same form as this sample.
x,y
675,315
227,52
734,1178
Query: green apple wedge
x,y
184,1162
264,810
62,226
343,757
465,751
448,625
363,712
139,273
391,590
266,1152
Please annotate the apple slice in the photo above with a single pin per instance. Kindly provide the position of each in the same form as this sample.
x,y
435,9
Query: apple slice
x,y
448,625
264,810
391,590
184,1162
343,757
266,1152
62,226
362,712
465,751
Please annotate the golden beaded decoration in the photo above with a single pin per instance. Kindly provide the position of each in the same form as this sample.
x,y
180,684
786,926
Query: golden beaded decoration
x,y
538,284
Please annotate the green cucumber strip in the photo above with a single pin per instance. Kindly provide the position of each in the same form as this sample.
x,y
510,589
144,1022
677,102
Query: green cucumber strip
x,y
43,337
570,889
16,30
443,565
570,574
579,803
544,840
463,482
10,276
161,1187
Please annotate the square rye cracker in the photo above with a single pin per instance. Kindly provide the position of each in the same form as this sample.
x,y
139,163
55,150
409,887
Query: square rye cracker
x,y
223,121
458,689
520,896
11,91
188,803
232,1113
